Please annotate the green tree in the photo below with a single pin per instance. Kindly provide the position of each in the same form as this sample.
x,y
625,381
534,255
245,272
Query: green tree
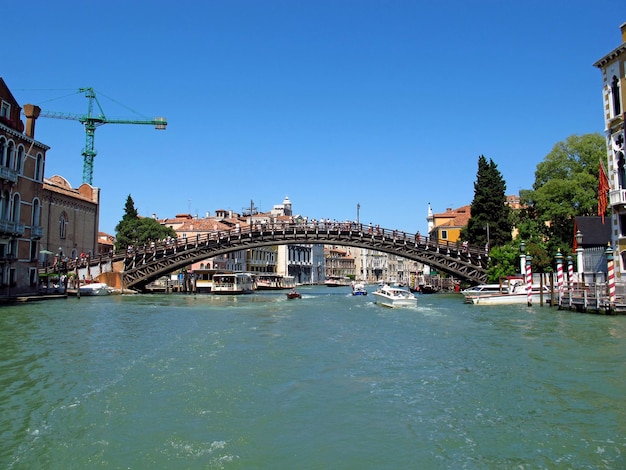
x,y
135,230
566,186
489,221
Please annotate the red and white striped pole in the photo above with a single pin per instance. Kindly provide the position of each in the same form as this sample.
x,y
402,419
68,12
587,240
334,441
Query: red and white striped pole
x,y
570,272
529,281
559,274
611,275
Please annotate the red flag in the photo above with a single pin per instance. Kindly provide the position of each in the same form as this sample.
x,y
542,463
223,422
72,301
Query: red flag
x,y
603,188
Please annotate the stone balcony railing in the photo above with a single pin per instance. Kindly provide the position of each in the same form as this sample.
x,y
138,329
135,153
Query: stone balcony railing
x,y
12,228
8,174
617,197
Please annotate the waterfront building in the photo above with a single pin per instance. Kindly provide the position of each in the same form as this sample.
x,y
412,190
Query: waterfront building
x,y
339,262
70,218
22,162
613,68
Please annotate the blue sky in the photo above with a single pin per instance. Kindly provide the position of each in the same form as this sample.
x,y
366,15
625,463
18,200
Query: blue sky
x,y
386,104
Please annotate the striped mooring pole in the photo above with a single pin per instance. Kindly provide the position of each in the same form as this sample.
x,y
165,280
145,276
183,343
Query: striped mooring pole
x,y
611,275
559,274
529,281
570,272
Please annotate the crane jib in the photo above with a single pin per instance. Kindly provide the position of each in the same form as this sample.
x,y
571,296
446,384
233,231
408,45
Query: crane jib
x,y
91,122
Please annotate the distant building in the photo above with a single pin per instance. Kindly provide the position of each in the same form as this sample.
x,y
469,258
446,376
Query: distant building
x,y
304,262
339,262
613,68
447,226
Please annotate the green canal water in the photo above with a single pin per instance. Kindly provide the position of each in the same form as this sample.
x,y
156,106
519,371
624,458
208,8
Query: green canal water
x,y
329,381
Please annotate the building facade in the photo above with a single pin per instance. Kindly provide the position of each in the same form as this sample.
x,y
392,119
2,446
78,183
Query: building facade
x,y
447,226
22,163
70,219
613,68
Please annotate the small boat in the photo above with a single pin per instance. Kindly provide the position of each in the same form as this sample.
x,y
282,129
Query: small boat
x,y
294,295
512,290
96,288
270,281
337,281
233,283
395,297
428,289
358,289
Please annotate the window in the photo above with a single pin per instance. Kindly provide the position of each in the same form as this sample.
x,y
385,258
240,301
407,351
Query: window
x,y
444,234
36,215
615,96
4,205
39,168
19,160
621,171
622,225
63,226
15,215
5,110
33,276
10,156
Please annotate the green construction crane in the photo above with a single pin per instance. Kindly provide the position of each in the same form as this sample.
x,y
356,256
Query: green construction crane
x,y
91,122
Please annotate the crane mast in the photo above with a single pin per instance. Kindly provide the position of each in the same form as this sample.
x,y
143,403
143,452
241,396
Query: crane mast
x,y
91,122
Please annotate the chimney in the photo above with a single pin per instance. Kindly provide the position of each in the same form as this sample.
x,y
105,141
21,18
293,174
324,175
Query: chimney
x,y
623,29
32,113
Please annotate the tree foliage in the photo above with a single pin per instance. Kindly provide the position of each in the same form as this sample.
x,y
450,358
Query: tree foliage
x,y
135,230
566,186
489,221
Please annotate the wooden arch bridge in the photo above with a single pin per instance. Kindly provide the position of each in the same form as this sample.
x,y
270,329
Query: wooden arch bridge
x,y
145,265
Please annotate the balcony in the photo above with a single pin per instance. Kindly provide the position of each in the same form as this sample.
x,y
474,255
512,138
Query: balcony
x,y
36,232
11,228
8,174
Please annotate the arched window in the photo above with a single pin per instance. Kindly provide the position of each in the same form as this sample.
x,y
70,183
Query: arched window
x,y
36,215
3,151
63,220
39,168
15,210
615,95
10,155
5,203
19,160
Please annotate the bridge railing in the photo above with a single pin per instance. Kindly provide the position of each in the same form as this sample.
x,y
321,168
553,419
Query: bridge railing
x,y
173,244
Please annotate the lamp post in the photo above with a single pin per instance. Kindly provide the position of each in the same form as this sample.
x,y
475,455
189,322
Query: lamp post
x,y
487,246
522,258
579,252
358,208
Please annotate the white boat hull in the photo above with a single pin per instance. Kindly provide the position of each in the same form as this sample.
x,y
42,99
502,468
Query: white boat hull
x,y
395,298
505,299
97,288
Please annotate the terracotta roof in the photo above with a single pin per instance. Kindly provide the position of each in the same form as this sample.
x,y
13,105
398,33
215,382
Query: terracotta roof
x,y
453,217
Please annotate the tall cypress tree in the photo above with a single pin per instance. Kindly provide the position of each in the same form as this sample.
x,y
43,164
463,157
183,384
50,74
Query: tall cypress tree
x,y
489,222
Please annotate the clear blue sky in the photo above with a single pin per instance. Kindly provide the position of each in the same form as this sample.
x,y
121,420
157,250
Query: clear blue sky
x,y
334,103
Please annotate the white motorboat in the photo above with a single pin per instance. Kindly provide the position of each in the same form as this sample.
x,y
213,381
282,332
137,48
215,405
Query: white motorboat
x,y
395,297
95,288
358,289
482,290
515,293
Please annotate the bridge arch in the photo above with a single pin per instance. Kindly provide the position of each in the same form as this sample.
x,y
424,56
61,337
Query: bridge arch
x,y
143,266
